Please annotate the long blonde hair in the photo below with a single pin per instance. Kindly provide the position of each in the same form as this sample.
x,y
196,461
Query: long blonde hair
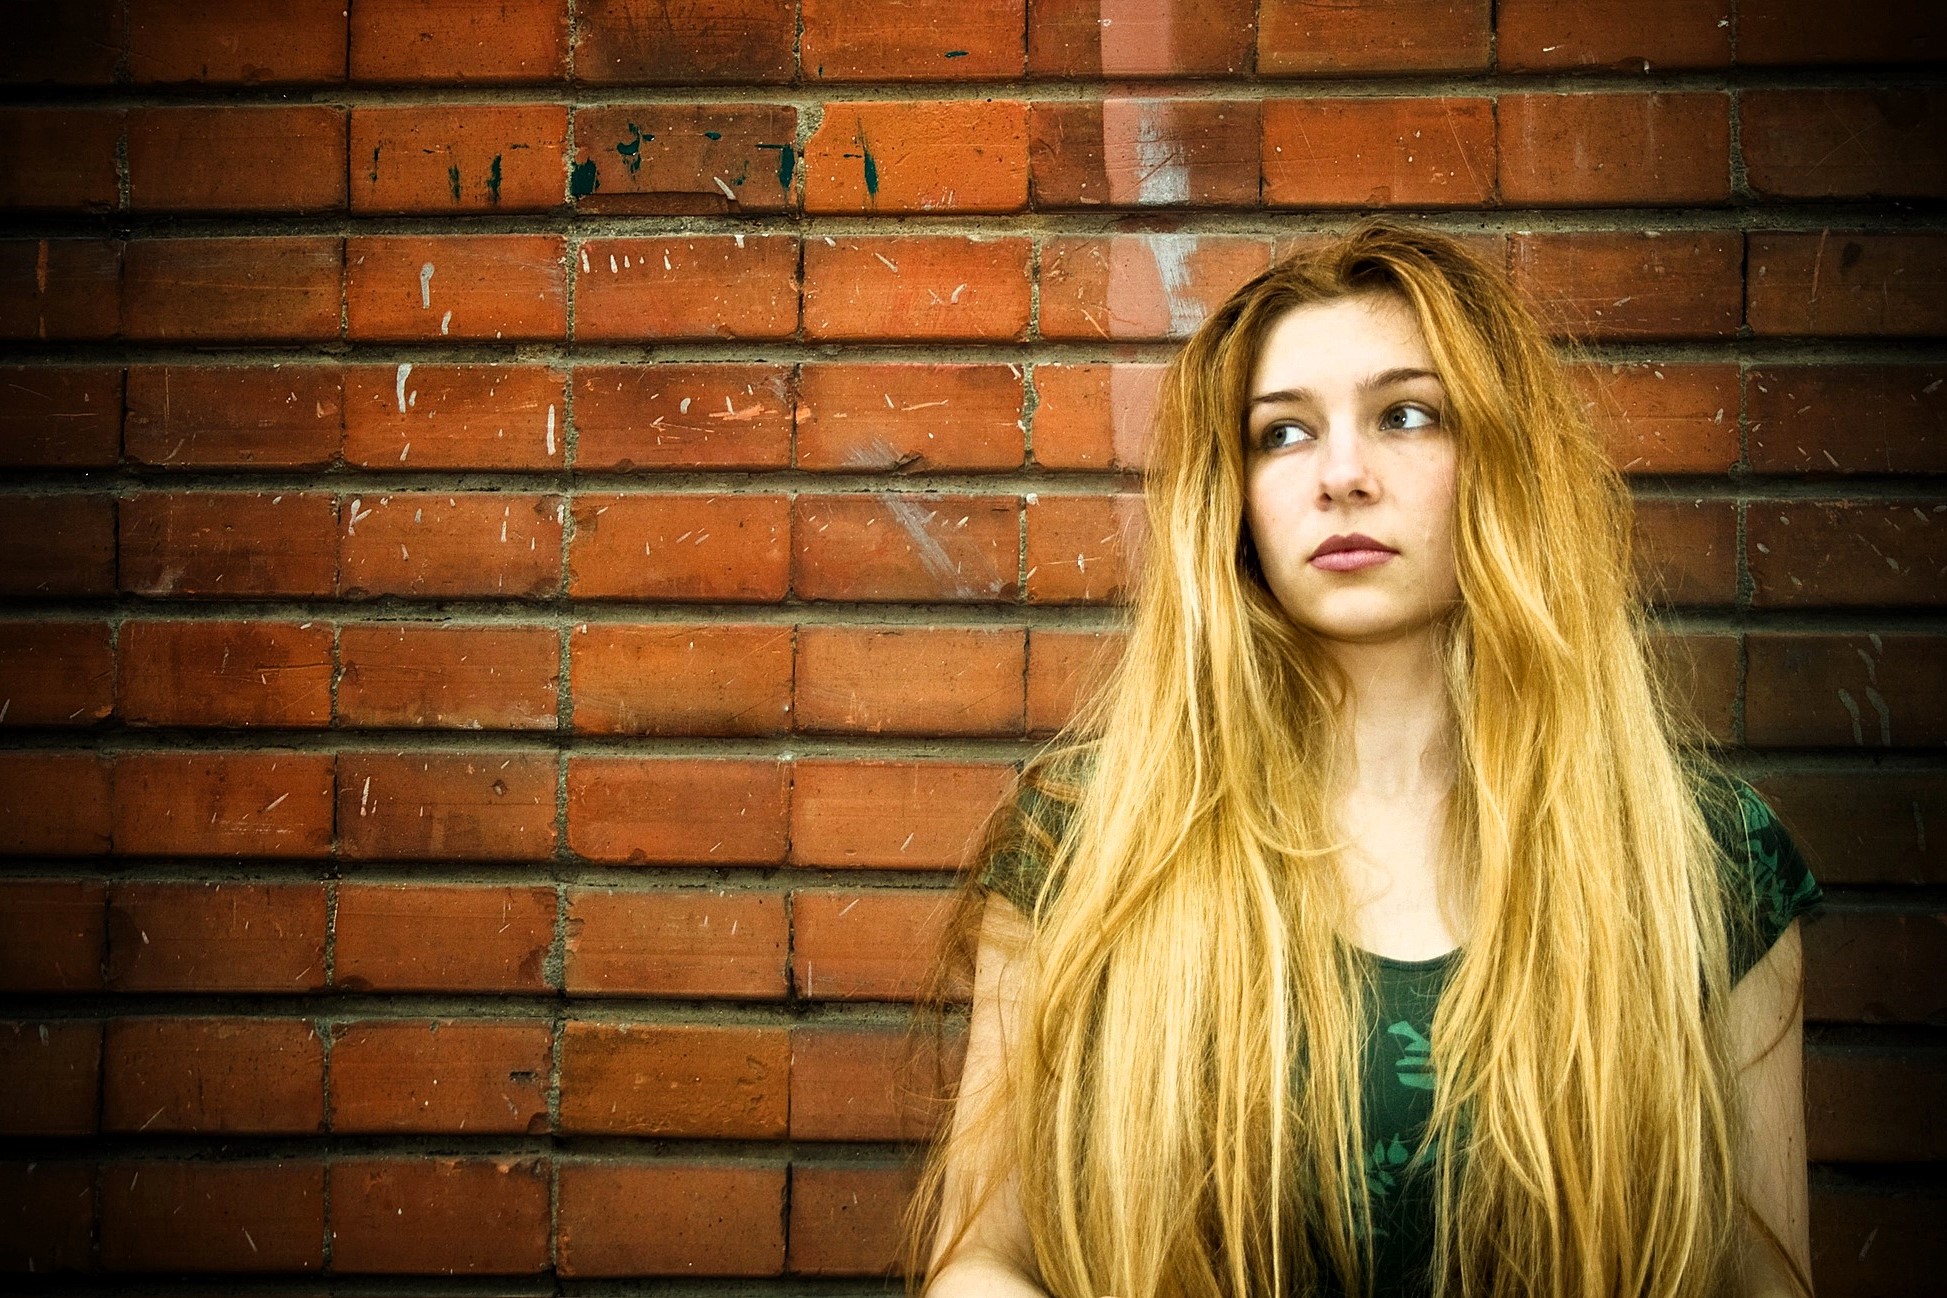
x,y
1183,1102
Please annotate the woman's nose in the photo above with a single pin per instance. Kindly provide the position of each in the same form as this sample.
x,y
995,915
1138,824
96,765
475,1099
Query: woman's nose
x,y
1345,469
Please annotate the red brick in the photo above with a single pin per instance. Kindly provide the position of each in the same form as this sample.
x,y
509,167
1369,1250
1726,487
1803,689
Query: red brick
x,y
51,935
219,159
1165,38
910,418
1840,284
77,43
640,416
60,417
1141,286
433,42
237,42
232,290
1616,285
437,676
1417,152
1808,31
690,942
1686,550
239,416
1063,668
59,159
953,155
231,1075
60,289
1847,418
1585,150
1863,827
47,1215
1094,415
201,1216
906,547
868,1083
1876,967
210,673
410,417
911,680
1664,418
1301,37
441,1075
1123,152
1844,143
1702,674
450,158
53,804
685,1079
877,945
686,159
439,1216
215,937
716,549
913,40
272,804
848,1220
696,286
1870,1239
442,939
441,806
445,544
51,1075
1626,35
1084,549
1839,691
1873,1106
681,679
481,287
663,1218
937,287
56,673
891,815
634,42
678,810
1847,553
229,543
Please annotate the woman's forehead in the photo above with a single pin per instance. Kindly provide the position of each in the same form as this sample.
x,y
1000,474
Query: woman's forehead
x,y
1339,343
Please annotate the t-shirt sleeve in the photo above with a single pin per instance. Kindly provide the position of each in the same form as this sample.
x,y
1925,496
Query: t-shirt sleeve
x,y
1021,851
1771,879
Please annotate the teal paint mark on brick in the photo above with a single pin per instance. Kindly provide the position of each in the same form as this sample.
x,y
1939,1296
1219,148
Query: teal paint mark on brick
x,y
584,180
871,168
786,161
375,164
493,180
453,180
956,54
631,148
715,135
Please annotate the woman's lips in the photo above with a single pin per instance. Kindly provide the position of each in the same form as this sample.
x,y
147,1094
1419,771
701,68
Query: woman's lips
x,y
1350,560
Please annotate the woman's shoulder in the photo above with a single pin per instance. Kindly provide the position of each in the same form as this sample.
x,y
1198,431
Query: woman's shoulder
x,y
1770,881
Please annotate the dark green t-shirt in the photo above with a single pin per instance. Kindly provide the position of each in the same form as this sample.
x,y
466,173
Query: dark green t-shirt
x,y
1397,1085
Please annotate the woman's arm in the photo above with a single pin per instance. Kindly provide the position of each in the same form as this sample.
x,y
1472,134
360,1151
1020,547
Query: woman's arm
x,y
1767,1031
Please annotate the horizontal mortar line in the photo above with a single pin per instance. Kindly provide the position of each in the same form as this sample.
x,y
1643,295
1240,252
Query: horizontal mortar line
x,y
215,1145
728,881
474,614
118,741
341,1007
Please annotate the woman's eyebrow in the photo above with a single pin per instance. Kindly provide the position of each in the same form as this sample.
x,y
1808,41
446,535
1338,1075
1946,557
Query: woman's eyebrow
x,y
1385,378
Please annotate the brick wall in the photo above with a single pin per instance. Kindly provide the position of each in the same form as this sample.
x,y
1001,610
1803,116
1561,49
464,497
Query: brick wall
x,y
534,532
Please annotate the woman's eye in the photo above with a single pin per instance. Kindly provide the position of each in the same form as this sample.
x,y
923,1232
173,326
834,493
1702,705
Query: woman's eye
x,y
1408,415
1283,433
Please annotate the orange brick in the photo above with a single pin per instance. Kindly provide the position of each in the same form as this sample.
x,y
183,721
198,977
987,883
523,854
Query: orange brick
x,y
1657,417
393,937
634,42
1874,1240
215,937
1122,152
1604,285
436,543
1863,826
1094,416
473,806
955,155
1840,284
234,416
1847,554
236,42
729,549
482,287
909,418
1299,37
268,804
678,810
439,1216
1686,550
439,676
1870,1106
920,287
233,1075
51,1075
47,1223
229,543
915,40
906,547
1847,418
868,1083
670,1218
54,804
1165,38
61,416
1417,152
199,1215
410,417
56,673
891,815
910,680
690,942
1063,668
695,286
451,158
75,44
59,159
1141,286
1877,967
60,289
1774,32
1814,690
211,673
1638,36
685,1079
1703,674
677,416
214,159
681,679
847,1220
52,934
57,545
433,42
232,290
441,1075
1084,549
686,159
1587,150
877,945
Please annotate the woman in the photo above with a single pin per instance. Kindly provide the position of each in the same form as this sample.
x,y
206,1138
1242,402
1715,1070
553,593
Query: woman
x,y
1378,924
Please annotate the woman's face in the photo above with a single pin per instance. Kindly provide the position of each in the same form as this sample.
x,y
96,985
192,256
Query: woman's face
x,y
1349,471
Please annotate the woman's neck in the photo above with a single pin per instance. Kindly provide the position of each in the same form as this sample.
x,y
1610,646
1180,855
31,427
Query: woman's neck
x,y
1400,717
